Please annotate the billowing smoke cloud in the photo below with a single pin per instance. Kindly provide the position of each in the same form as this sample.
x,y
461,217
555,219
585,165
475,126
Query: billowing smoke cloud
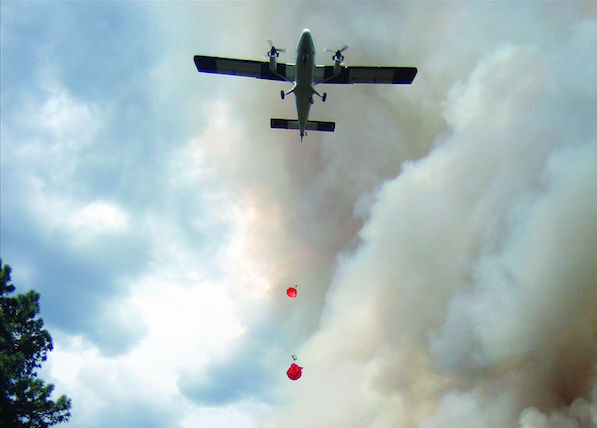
x,y
444,238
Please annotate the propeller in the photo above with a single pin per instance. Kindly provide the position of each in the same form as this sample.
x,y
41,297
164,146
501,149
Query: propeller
x,y
273,51
337,54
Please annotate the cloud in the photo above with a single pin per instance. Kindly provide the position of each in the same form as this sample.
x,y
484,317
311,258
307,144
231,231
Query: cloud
x,y
107,391
228,382
442,238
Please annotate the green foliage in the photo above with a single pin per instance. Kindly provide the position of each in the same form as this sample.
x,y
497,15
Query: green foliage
x,y
24,346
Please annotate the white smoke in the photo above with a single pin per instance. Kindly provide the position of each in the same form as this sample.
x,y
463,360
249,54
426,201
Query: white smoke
x,y
445,236
470,300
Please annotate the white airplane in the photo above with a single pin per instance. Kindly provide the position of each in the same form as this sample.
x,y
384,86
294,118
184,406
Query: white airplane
x,y
305,74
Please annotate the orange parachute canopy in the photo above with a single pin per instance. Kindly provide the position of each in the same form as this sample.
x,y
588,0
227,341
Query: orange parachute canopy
x,y
291,292
294,372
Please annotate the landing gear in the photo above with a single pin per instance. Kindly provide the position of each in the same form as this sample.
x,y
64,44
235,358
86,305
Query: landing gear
x,y
282,94
320,96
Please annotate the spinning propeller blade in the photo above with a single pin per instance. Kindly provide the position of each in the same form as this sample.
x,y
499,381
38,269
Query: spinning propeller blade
x,y
273,51
337,53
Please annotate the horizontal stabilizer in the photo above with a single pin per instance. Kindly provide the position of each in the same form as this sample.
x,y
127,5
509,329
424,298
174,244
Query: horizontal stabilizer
x,y
312,125
284,123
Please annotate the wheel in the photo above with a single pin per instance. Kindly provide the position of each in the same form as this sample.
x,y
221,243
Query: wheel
x,y
282,94
325,95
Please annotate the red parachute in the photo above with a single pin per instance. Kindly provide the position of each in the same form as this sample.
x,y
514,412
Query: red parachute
x,y
291,292
294,372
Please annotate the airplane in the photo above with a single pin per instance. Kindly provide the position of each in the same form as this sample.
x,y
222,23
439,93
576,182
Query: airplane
x,y
305,74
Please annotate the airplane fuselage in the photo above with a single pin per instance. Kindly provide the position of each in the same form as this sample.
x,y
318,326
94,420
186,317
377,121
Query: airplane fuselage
x,y
303,88
305,74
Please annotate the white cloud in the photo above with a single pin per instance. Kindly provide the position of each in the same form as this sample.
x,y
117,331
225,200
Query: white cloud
x,y
100,217
186,325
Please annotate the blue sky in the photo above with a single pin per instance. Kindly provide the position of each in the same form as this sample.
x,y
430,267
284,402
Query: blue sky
x,y
441,238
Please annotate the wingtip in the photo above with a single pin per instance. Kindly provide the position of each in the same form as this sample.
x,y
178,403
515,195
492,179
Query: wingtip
x,y
205,64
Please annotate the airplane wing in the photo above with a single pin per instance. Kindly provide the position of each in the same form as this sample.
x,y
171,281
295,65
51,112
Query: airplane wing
x,y
244,67
352,74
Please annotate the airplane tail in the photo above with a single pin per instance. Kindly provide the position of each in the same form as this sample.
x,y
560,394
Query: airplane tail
x,y
312,125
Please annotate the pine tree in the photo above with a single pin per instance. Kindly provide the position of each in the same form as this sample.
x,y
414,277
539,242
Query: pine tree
x,y
24,346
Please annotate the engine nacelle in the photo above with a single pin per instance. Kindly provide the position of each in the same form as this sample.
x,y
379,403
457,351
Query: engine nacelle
x,y
272,63
337,58
337,67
